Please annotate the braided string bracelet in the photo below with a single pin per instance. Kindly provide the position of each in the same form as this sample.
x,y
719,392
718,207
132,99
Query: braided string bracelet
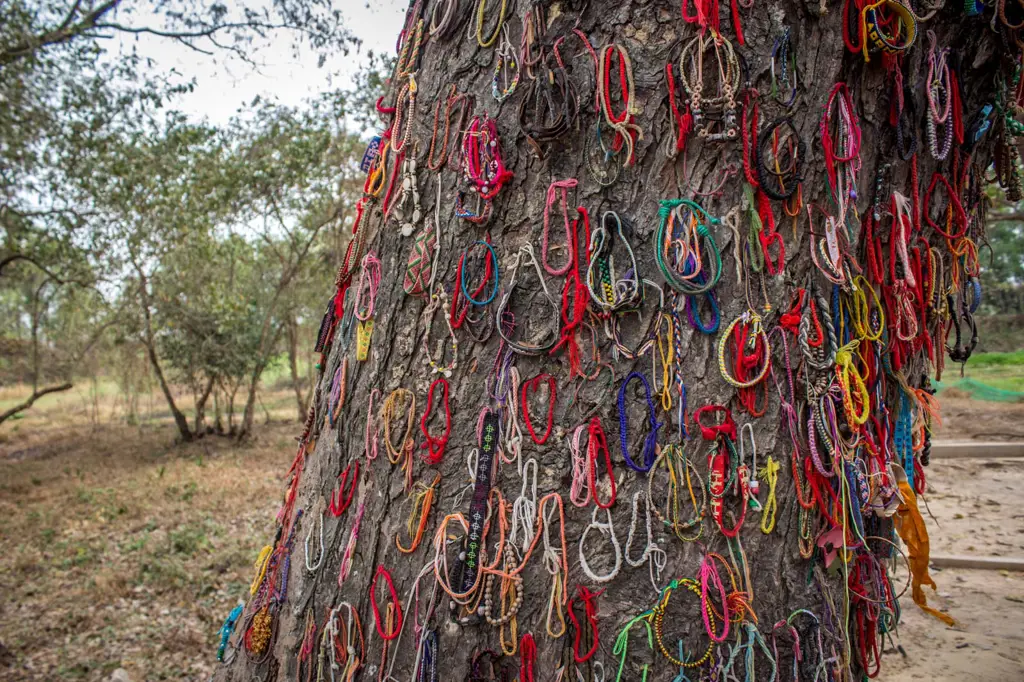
x,y
422,499
346,556
505,320
681,261
597,444
387,634
556,187
607,528
649,452
435,445
532,385
580,489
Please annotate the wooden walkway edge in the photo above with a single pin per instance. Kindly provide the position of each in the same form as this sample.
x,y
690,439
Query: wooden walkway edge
x,y
966,449
993,563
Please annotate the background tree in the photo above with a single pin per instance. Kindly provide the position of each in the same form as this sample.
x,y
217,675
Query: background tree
x,y
70,102
324,570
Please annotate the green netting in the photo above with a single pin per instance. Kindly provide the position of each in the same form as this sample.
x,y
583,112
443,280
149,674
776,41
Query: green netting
x,y
980,391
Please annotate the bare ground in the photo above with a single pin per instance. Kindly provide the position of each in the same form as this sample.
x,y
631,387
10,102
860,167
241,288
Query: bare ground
x,y
120,549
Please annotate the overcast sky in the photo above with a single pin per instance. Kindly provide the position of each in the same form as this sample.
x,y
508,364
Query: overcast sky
x,y
224,85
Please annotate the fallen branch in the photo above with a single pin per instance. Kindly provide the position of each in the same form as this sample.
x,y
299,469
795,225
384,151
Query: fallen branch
x,y
36,395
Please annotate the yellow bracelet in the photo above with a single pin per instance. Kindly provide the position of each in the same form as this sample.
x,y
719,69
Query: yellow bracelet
x,y
262,561
861,315
481,8
658,616
844,370
755,319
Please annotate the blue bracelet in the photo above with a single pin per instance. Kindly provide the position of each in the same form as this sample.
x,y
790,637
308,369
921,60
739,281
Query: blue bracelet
x,y
227,629
462,279
692,306
651,441
976,300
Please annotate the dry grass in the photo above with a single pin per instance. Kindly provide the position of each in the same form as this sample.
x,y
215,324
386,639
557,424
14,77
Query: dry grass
x,y
121,549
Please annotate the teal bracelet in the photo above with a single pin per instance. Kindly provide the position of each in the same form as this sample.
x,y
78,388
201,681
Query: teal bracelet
x,y
671,275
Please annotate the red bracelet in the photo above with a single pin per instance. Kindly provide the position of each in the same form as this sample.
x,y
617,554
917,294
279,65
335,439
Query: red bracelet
x,y
727,428
959,216
386,636
588,598
527,657
435,446
598,442
531,385
340,501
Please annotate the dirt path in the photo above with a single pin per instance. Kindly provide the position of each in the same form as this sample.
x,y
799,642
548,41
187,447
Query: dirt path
x,y
976,508
120,550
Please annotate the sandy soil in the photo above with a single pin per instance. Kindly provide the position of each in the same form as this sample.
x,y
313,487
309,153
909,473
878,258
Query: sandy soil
x,y
90,514
976,511
967,419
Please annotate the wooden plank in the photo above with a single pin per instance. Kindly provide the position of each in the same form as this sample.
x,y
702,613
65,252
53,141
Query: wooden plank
x,y
992,563
976,450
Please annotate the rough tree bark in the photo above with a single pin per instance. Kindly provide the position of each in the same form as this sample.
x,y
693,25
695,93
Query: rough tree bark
x,y
653,34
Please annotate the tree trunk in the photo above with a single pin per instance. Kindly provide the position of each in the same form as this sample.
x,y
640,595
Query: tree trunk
x,y
780,580
149,339
249,413
201,406
266,345
292,329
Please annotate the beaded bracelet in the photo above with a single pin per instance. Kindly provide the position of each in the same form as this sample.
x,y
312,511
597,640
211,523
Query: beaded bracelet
x,y
482,167
658,618
649,452
720,107
505,60
941,88
608,293
439,302
405,106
